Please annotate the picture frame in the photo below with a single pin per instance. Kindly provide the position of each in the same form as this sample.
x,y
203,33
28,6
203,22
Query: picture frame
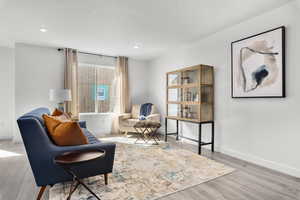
x,y
258,65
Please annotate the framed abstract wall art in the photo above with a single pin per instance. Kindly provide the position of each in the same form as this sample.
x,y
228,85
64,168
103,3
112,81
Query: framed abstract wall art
x,y
258,65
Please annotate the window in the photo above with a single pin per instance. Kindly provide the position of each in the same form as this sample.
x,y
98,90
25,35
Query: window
x,y
96,79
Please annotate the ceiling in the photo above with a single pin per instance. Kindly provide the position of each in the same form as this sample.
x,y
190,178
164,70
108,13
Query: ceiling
x,y
113,27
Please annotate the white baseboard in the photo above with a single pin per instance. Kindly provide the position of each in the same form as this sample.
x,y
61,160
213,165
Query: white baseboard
x,y
5,138
263,162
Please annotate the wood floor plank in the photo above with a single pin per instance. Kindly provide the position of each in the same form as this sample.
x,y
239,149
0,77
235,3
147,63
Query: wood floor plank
x,y
248,182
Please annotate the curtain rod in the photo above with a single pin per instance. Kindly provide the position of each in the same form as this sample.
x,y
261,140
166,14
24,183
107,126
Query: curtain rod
x,y
60,49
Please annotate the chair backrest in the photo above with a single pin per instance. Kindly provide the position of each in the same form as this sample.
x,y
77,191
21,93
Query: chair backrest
x,y
135,111
36,140
136,108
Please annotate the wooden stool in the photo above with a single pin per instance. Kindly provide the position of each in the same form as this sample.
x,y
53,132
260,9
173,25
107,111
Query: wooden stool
x,y
147,130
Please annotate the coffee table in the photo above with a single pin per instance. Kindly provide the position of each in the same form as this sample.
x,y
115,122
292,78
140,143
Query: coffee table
x,y
70,159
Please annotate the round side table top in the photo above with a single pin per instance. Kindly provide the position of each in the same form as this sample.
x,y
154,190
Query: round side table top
x,y
78,156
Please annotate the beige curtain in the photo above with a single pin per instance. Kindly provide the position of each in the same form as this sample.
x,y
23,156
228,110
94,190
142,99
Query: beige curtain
x,y
122,90
71,81
123,85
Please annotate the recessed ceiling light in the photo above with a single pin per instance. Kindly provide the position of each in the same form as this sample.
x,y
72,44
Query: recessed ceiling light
x,y
136,46
43,30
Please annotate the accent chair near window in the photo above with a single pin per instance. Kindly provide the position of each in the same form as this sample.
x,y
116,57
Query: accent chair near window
x,y
128,120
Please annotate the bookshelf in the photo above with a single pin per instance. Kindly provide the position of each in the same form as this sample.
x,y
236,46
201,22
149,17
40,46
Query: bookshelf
x,y
190,93
190,97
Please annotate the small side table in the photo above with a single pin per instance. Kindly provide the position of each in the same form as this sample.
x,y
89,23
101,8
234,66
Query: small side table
x,y
70,159
147,131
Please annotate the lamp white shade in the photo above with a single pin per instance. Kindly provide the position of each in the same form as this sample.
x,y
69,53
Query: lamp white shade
x,y
60,95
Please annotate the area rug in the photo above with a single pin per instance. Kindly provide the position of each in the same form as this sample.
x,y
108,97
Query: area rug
x,y
147,173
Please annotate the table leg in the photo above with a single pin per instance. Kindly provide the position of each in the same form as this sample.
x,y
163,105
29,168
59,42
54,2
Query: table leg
x,y
177,137
41,192
69,170
106,179
166,129
200,139
141,134
213,136
86,187
72,190
147,135
154,139
157,137
152,135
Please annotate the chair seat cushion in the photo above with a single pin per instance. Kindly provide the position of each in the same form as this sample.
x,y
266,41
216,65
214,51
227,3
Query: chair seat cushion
x,y
129,122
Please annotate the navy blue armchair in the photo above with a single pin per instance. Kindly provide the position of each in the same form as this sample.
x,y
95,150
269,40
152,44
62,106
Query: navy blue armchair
x,y
41,151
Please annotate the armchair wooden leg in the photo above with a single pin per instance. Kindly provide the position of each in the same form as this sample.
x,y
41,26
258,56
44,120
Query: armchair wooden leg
x,y
106,179
41,192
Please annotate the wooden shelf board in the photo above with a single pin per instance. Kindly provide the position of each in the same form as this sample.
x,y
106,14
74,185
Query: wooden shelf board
x,y
183,119
196,67
191,85
189,103
207,84
184,102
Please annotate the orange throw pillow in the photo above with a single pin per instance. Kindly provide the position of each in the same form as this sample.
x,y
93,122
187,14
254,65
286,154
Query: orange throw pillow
x,y
58,112
64,132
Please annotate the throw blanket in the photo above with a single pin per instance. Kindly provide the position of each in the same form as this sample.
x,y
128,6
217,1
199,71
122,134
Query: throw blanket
x,y
145,110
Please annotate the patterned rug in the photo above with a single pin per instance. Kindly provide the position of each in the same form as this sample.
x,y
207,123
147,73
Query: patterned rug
x,y
147,172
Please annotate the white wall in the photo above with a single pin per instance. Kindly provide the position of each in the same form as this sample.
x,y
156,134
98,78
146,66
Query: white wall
x,y
264,131
138,80
7,92
37,70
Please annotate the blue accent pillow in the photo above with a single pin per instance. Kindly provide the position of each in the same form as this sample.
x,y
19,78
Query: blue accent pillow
x,y
142,117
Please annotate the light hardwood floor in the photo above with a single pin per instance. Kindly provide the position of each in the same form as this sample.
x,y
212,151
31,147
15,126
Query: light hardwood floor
x,y
248,182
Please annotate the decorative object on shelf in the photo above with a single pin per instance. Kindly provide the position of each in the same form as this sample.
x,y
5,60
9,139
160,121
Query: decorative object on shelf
x,y
190,114
60,96
196,97
188,96
186,80
174,80
185,111
258,65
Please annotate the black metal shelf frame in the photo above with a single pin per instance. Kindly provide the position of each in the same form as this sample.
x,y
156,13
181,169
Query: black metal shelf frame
x,y
200,143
